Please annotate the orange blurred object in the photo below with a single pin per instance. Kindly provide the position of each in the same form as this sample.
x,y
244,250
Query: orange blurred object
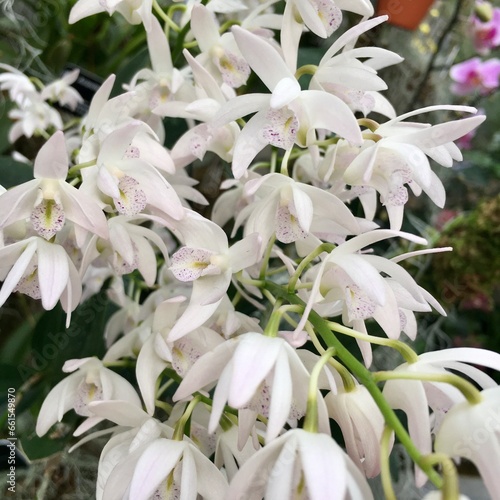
x,y
406,14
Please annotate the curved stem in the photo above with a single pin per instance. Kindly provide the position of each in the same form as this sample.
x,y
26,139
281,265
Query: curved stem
x,y
324,247
311,420
472,394
267,256
385,469
164,17
451,488
307,69
345,375
406,351
369,124
273,324
76,168
179,428
284,162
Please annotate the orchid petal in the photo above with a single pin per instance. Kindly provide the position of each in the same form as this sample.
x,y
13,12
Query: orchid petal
x,y
262,58
148,368
159,49
51,162
323,464
147,474
53,272
339,119
120,412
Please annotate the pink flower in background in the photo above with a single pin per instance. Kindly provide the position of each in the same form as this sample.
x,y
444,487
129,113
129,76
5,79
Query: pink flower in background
x,y
486,35
475,75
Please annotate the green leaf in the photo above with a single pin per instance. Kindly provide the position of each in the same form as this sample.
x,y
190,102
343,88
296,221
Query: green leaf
x,y
13,173
53,344
126,72
40,447
9,377
15,347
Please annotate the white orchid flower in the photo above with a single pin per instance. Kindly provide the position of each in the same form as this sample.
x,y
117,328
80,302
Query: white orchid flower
x,y
131,183
33,114
285,117
229,454
256,374
106,115
134,11
168,468
300,464
16,83
362,425
415,397
122,452
355,280
209,263
400,157
61,91
219,54
322,17
202,137
293,210
129,464
158,89
48,200
356,82
158,353
129,247
41,270
473,432
89,381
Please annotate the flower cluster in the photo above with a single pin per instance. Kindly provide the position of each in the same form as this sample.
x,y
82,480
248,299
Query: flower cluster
x,y
255,388
475,75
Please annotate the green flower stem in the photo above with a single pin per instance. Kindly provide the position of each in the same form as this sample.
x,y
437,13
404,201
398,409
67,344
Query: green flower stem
x,y
406,351
76,168
327,142
181,35
369,124
365,377
311,420
236,299
450,489
225,423
307,69
174,8
164,406
284,162
168,22
472,394
43,133
274,160
72,123
273,324
119,364
265,260
385,469
345,375
324,247
164,387
181,424
37,82
227,25
371,136
248,281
